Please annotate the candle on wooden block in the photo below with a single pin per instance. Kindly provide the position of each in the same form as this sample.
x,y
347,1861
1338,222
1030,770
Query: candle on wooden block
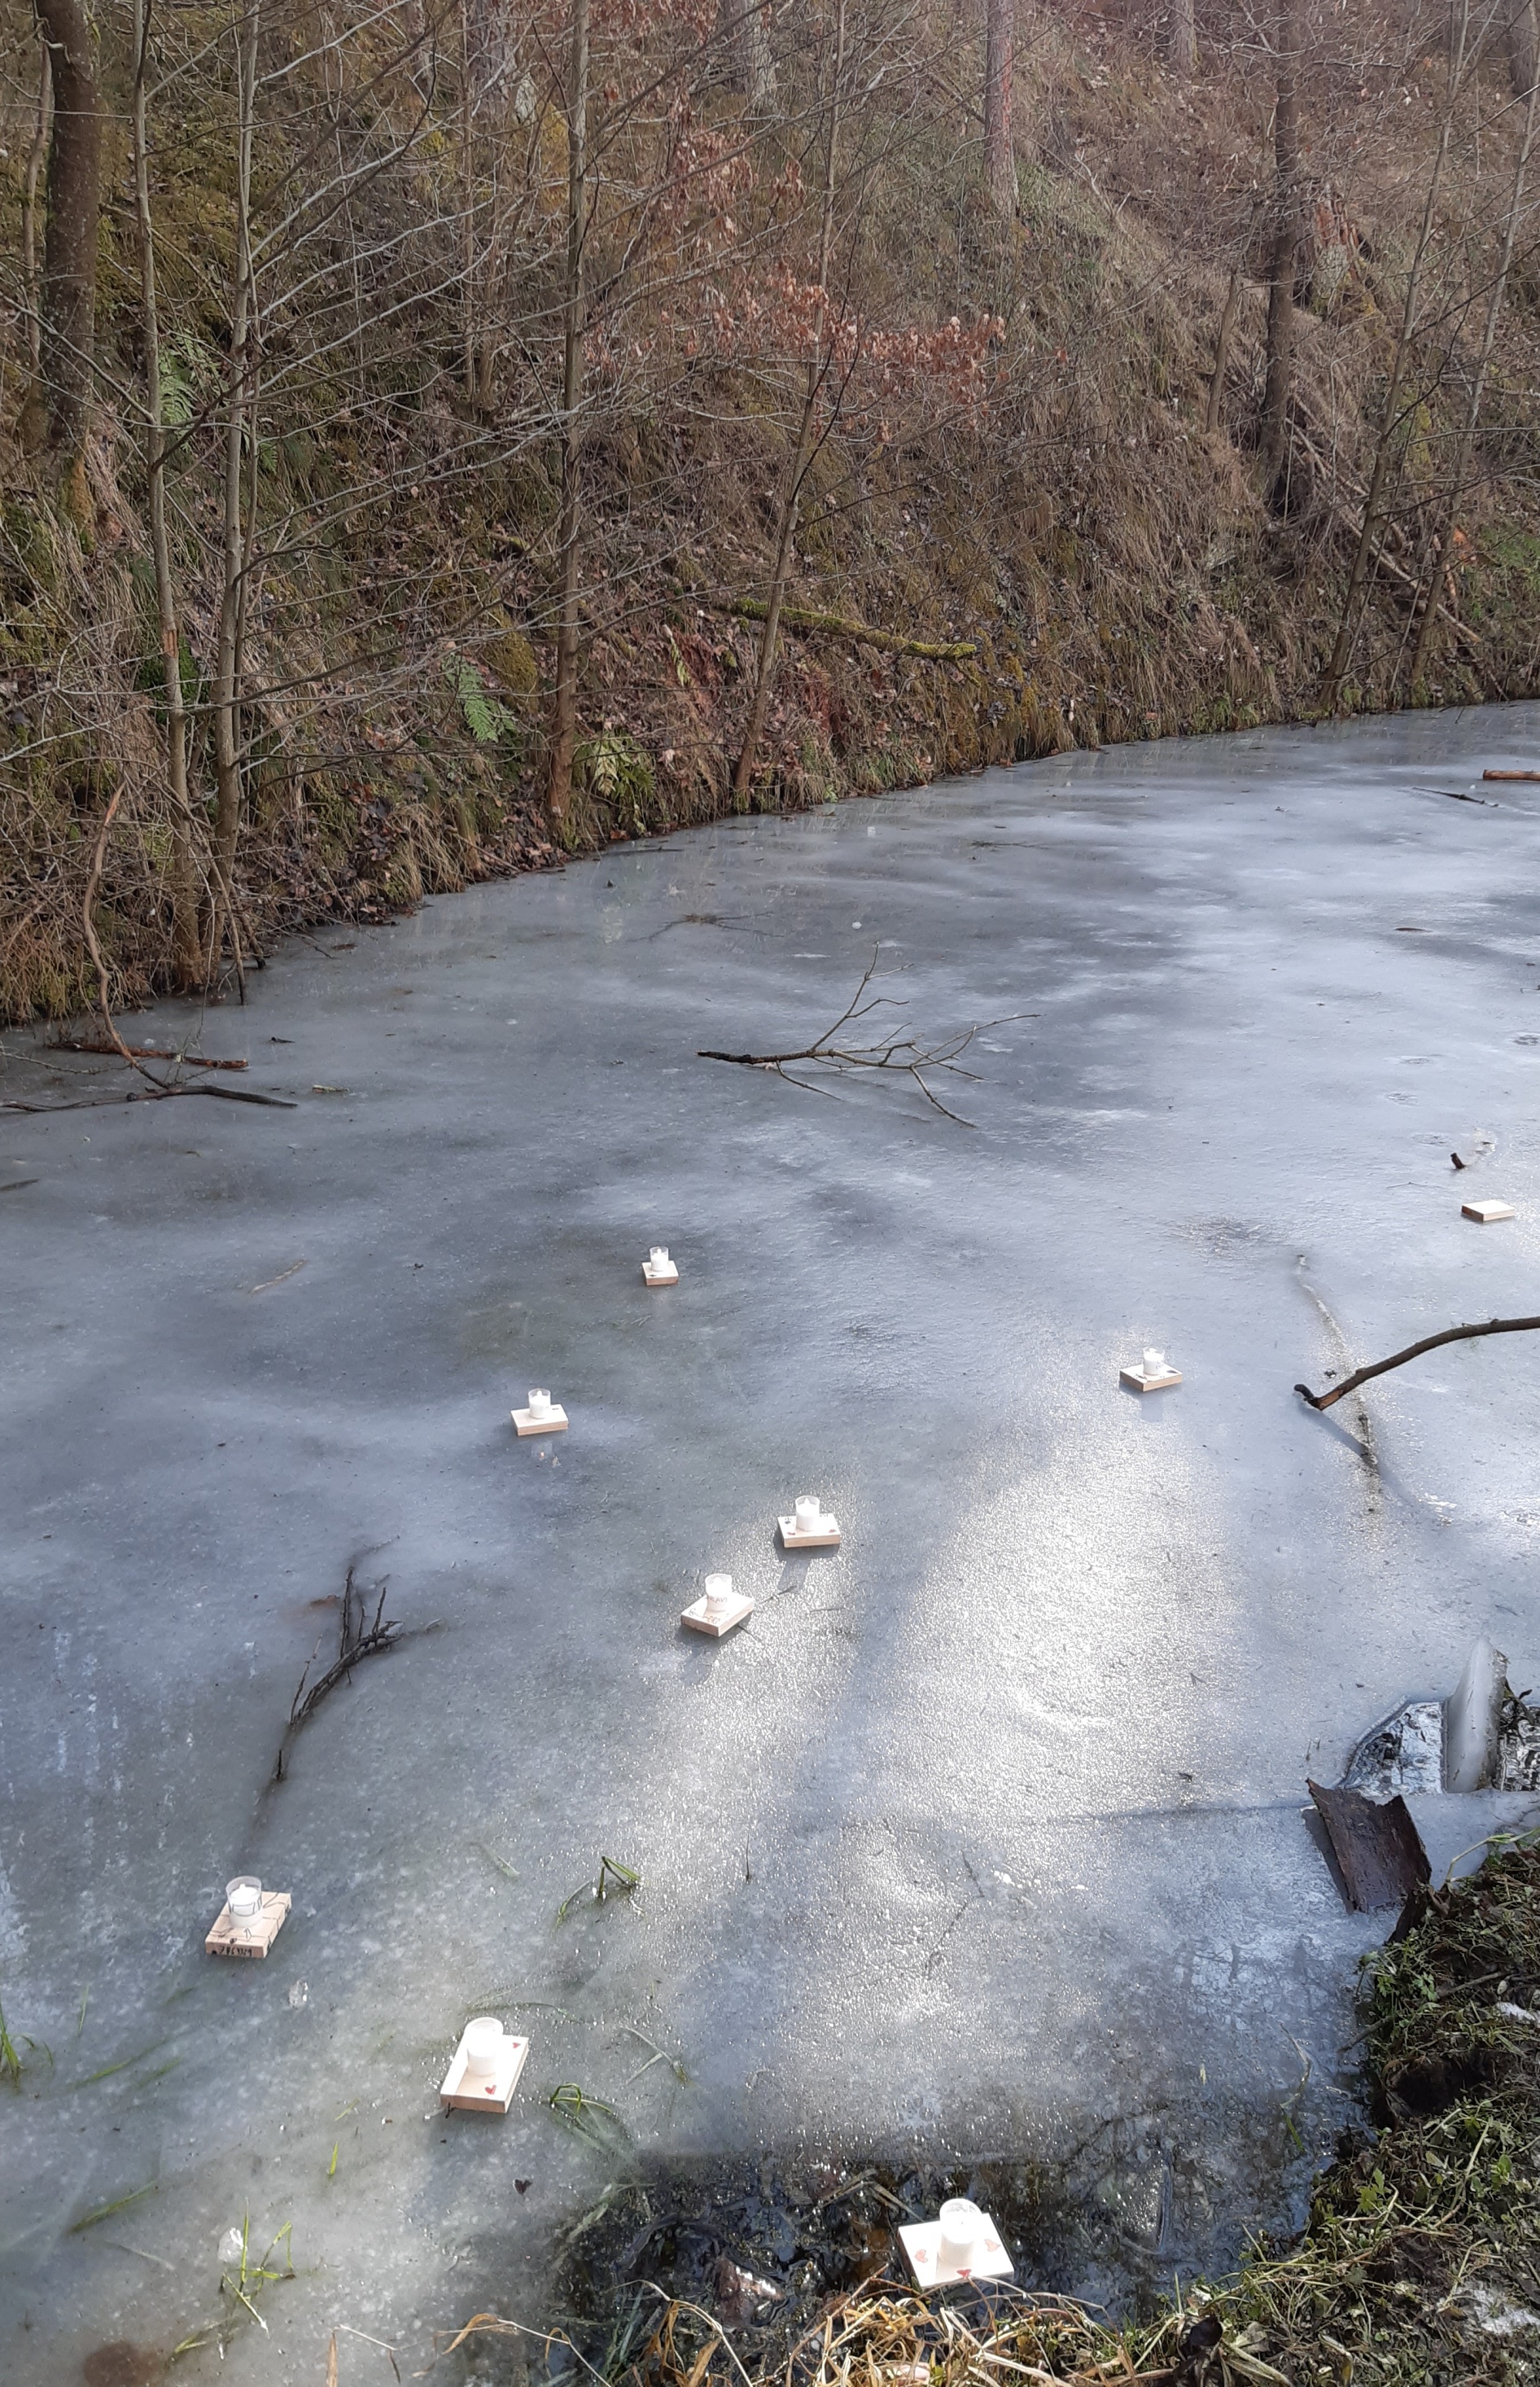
x,y
808,1527
719,1608
542,1415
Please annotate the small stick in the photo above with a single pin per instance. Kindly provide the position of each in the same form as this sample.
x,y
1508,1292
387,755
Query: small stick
x,y
139,1052
1510,775
1414,1351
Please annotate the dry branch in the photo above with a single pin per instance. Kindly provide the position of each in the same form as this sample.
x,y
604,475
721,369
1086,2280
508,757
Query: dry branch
x,y
904,1055
1414,1351
357,1640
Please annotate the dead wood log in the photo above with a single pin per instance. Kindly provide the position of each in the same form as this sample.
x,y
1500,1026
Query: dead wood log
x,y
835,625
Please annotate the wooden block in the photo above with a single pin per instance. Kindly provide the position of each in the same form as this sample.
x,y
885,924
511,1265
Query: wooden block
x,y
524,1423
698,1622
1486,1214
1138,1382
493,2096
230,1937
922,2242
655,1276
792,1540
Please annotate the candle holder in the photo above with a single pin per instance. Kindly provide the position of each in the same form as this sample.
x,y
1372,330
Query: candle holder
x,y
963,2244
250,1919
658,1268
484,2071
1154,1373
542,1416
1486,1214
807,1528
718,1609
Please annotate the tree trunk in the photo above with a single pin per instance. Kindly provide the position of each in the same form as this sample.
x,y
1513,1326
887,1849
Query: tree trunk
x,y
1283,263
1184,38
1221,351
759,65
226,690
792,488
35,157
564,739
999,140
1523,48
1391,422
185,941
68,289
1439,545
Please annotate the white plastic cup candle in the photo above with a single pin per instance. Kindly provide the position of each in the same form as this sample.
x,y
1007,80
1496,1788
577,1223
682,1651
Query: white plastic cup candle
x,y
961,2228
660,1259
244,1897
539,1402
810,1513
1155,1363
483,2046
719,1594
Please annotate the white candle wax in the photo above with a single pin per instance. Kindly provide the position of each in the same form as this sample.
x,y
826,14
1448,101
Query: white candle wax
x,y
719,1593
539,1403
244,1897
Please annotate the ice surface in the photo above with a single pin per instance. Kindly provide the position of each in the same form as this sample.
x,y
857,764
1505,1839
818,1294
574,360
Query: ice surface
x,y
986,1833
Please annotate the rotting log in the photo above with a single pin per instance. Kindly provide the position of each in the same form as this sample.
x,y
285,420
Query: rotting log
x,y
834,625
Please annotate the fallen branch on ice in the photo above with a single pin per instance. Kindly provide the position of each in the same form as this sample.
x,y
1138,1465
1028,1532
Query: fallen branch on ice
x,y
904,1056
357,1640
1414,1351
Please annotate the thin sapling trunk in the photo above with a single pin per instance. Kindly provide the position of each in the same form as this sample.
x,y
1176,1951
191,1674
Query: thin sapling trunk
x,y
564,706
183,881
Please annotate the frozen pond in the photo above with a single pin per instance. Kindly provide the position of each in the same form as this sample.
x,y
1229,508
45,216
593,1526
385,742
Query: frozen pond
x,y
985,1835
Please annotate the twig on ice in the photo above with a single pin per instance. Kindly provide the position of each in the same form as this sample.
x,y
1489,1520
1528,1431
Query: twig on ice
x,y
357,1640
1414,1351
903,1054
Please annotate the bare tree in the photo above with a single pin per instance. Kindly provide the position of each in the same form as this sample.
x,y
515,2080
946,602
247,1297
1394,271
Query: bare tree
x,y
1183,38
999,135
1439,544
1392,425
187,950
565,704
1283,261
30,281
816,371
60,410
239,428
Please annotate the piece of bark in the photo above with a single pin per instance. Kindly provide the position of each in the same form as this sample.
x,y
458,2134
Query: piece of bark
x,y
1378,1852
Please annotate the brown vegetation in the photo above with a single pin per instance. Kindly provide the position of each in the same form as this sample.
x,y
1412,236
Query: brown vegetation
x,y
438,439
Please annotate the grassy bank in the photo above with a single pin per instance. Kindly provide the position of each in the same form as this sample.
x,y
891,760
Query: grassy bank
x,y
1419,2266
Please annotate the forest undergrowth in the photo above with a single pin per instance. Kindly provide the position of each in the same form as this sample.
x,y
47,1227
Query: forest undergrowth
x,y
1004,490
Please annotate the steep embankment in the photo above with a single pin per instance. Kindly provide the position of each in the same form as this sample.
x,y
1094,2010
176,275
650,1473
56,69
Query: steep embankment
x,y
1095,539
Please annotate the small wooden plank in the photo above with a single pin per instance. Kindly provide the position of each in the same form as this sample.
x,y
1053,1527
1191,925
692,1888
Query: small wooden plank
x,y
792,1540
525,1424
1486,1214
922,2241
669,1275
1137,1380
698,1622
1376,1845
232,1937
493,2096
